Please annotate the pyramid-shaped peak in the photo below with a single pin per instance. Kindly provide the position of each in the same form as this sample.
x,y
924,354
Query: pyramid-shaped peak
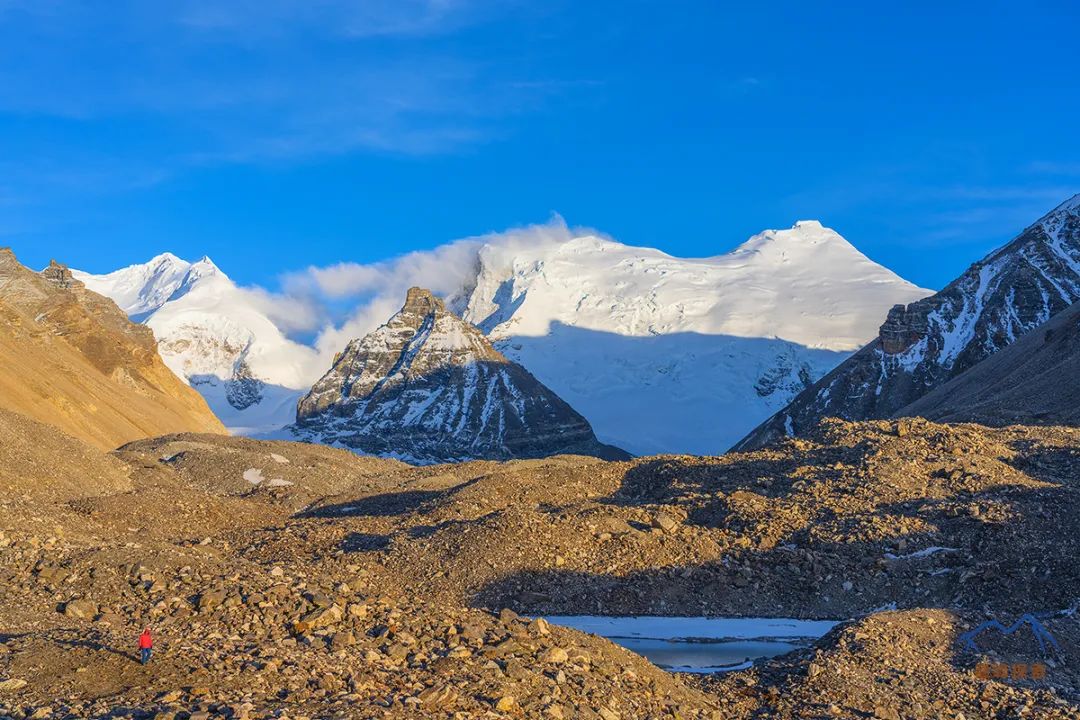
x,y
429,387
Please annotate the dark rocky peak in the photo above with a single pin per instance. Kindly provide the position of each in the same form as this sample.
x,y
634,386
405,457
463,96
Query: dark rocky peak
x,y
429,387
420,301
925,344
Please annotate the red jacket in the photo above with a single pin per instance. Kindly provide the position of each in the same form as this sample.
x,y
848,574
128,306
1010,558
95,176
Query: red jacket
x,y
145,641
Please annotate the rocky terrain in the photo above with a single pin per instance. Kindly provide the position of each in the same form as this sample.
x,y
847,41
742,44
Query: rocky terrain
x,y
295,580
299,580
429,387
1031,382
923,345
72,359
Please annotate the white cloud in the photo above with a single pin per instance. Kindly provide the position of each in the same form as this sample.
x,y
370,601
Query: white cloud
x,y
255,80
290,313
367,18
375,291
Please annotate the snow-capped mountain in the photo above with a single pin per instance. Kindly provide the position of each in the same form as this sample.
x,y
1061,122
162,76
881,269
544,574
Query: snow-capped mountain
x,y
925,344
429,387
213,334
660,354
665,354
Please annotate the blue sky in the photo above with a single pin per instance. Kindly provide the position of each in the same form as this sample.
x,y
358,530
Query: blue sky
x,y
277,134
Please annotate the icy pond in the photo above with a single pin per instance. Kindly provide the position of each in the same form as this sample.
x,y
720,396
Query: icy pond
x,y
701,645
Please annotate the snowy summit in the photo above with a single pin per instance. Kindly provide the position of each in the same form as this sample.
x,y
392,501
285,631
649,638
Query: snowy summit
x,y
666,354
214,335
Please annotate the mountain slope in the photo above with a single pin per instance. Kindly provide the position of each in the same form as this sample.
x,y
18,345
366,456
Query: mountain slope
x,y
925,344
1031,382
40,462
428,387
72,359
213,334
665,354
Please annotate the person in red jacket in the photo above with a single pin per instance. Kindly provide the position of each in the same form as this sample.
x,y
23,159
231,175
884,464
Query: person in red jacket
x,y
146,645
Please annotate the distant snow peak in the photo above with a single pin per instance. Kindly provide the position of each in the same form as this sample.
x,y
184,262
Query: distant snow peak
x,y
660,353
666,354
211,335
923,345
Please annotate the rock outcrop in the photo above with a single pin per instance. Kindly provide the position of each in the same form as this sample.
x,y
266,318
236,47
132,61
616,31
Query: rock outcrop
x,y
1031,382
72,359
429,387
923,345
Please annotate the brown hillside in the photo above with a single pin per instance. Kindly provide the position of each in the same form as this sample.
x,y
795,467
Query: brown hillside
x,y
366,588
38,462
71,358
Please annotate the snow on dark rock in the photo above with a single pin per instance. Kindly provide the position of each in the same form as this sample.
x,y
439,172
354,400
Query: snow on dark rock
x,y
923,345
429,387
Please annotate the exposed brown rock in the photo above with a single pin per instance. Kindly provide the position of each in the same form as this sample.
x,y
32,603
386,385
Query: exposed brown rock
x,y
72,359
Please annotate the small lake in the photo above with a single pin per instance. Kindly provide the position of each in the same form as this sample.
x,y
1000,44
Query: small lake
x,y
701,645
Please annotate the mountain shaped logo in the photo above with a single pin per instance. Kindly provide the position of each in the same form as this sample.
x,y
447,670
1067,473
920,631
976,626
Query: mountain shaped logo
x,y
1027,620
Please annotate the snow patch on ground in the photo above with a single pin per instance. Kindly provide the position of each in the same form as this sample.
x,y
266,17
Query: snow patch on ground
x,y
925,552
255,477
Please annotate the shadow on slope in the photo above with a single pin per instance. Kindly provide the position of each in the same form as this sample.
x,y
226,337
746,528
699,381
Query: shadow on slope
x,y
676,393
836,532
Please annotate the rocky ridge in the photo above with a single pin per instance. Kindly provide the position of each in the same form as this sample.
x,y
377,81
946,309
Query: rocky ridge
x,y
72,359
429,387
1031,382
925,344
